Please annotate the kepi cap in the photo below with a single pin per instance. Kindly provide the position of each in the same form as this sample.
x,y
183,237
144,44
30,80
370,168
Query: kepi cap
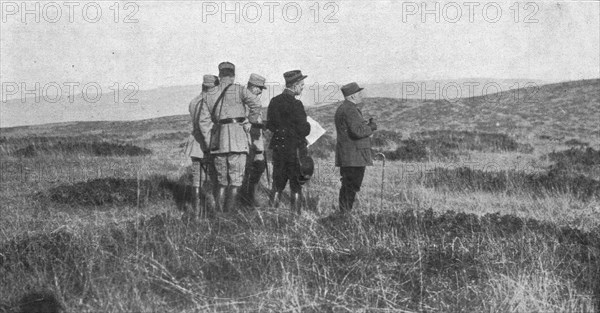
x,y
350,89
210,81
226,67
257,81
293,76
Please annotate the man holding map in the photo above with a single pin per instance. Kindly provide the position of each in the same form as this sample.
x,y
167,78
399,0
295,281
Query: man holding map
x,y
287,120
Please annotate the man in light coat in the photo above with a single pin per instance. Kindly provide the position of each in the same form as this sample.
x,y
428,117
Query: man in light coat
x,y
353,148
224,126
198,151
256,158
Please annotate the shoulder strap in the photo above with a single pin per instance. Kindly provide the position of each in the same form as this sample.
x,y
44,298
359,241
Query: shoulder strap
x,y
219,99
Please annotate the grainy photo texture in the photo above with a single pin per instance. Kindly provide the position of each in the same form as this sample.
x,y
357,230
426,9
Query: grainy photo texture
x,y
299,156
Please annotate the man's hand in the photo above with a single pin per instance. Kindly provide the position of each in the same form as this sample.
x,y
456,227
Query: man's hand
x,y
247,126
372,124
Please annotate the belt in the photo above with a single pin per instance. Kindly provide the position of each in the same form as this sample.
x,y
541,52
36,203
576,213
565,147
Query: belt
x,y
232,120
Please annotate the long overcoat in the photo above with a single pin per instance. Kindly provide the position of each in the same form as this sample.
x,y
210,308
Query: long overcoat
x,y
286,118
353,147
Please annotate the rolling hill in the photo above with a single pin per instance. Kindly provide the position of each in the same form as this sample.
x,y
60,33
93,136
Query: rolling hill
x,y
555,110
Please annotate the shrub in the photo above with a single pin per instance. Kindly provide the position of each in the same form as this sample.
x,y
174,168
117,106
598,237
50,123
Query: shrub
x,y
575,142
466,179
323,147
383,138
75,147
587,157
112,191
466,140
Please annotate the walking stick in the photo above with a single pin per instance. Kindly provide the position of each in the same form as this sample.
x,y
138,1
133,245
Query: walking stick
x,y
382,178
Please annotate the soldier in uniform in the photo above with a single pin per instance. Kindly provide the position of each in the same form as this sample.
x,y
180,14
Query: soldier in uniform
x,y
256,159
353,148
198,151
286,118
224,126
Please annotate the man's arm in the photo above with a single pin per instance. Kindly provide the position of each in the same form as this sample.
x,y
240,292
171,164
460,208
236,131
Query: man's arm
x,y
301,125
252,102
272,118
205,122
357,126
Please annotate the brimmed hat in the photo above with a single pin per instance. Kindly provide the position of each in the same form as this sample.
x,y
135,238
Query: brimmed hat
x,y
350,89
210,81
257,81
293,76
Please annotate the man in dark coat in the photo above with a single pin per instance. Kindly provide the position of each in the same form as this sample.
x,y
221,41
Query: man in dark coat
x,y
286,118
353,148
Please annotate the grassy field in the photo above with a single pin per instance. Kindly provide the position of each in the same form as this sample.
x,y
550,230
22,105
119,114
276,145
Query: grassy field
x,y
478,221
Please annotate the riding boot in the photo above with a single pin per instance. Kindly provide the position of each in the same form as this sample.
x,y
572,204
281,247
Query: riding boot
x,y
296,202
275,199
220,195
231,202
256,171
195,203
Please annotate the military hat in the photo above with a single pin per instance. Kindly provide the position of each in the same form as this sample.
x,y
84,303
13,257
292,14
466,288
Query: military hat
x,y
210,81
257,81
350,89
293,76
226,67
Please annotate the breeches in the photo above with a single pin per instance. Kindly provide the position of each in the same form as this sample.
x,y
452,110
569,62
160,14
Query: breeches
x,y
285,167
199,166
230,168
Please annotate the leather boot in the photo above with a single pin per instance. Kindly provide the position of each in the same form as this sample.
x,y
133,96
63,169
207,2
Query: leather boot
x,y
231,202
256,171
220,195
275,199
195,203
296,202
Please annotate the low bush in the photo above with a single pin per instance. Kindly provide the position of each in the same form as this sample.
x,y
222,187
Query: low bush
x,y
88,148
466,179
575,142
103,191
323,147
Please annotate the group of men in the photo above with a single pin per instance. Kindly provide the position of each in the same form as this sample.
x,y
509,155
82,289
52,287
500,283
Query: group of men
x,y
227,143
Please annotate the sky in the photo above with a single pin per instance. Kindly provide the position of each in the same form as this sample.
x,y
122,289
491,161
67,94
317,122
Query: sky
x,y
170,43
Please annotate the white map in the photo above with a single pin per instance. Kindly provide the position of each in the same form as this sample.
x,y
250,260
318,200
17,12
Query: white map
x,y
316,131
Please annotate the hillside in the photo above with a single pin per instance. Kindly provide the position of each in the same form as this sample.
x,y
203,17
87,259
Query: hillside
x,y
135,103
555,110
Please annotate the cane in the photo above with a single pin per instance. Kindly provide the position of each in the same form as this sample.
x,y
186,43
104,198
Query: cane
x,y
382,178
